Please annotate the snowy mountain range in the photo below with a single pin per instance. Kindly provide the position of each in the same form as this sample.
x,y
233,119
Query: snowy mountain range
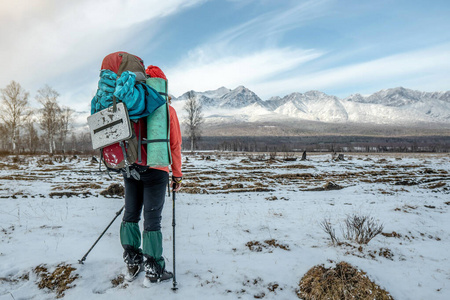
x,y
395,106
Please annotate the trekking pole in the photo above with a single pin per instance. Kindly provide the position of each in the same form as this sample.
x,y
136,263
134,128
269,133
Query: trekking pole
x,y
174,281
81,261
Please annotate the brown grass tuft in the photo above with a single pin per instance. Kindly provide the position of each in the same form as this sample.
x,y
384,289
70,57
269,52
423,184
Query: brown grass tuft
x,y
341,282
114,189
58,281
257,246
119,282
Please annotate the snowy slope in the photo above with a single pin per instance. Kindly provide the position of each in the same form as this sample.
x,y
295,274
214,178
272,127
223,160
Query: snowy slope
x,y
397,106
313,105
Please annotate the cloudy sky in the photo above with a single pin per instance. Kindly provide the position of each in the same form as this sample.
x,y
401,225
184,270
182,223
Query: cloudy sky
x,y
340,47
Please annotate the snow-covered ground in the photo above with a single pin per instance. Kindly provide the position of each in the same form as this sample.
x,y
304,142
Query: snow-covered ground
x,y
227,202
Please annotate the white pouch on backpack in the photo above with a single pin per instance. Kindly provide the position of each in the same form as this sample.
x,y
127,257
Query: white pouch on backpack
x,y
108,126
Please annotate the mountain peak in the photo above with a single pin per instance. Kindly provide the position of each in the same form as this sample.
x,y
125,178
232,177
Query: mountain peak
x,y
388,106
239,97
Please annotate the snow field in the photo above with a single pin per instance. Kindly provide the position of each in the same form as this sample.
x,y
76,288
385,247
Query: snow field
x,y
213,229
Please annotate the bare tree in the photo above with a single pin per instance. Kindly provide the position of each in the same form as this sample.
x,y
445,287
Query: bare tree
x,y
15,102
3,132
50,114
65,120
73,142
194,119
32,138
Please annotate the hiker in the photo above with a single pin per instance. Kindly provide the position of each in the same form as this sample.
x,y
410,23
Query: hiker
x,y
148,193
143,157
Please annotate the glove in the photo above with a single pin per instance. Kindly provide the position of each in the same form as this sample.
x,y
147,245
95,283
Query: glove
x,y
176,183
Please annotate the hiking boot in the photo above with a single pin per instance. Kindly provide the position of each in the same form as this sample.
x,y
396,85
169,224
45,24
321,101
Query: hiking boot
x,y
135,264
154,272
133,271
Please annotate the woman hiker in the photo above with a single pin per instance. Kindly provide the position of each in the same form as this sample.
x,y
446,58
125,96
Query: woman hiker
x,y
149,193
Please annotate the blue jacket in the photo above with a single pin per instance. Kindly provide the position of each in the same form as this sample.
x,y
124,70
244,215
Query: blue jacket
x,y
140,99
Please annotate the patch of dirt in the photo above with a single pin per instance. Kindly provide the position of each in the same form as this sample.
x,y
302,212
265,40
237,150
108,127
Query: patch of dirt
x,y
56,169
4,166
257,246
436,185
304,176
386,253
8,280
194,190
329,186
406,208
114,189
272,287
58,281
341,282
69,194
20,177
392,234
119,281
296,167
246,190
85,186
233,186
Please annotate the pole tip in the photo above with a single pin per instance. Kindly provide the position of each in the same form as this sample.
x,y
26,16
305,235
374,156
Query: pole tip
x,y
175,288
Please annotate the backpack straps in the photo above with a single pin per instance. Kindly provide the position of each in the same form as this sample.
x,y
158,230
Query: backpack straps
x,y
139,142
100,164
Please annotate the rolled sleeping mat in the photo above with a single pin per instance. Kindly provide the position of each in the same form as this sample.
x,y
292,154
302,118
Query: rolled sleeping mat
x,y
158,128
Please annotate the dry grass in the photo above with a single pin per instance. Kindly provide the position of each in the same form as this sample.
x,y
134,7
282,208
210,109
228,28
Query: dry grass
x,y
391,234
114,189
329,186
119,281
58,281
343,282
69,194
256,246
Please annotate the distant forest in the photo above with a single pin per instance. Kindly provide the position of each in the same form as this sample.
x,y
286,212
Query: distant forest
x,y
81,144
319,143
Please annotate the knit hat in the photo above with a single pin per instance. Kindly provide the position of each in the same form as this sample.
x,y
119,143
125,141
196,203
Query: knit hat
x,y
154,71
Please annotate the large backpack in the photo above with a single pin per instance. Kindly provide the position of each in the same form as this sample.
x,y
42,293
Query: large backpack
x,y
121,155
153,152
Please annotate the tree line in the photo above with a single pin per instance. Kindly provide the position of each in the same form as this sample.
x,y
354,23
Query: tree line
x,y
323,143
20,122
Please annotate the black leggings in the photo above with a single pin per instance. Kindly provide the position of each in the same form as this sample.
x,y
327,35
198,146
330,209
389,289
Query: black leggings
x,y
149,192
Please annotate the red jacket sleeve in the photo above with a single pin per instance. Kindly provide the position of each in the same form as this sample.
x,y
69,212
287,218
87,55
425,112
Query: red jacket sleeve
x,y
175,143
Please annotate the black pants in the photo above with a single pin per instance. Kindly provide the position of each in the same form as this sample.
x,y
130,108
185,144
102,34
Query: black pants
x,y
148,192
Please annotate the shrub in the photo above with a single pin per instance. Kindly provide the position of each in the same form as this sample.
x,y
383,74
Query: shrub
x,y
359,229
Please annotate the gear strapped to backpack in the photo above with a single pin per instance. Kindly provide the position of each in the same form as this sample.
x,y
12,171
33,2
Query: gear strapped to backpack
x,y
122,142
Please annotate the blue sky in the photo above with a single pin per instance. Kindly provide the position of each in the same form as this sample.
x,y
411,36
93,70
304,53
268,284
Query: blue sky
x,y
272,47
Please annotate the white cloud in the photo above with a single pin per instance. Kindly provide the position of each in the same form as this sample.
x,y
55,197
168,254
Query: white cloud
x,y
44,39
246,54
271,25
424,69
201,71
